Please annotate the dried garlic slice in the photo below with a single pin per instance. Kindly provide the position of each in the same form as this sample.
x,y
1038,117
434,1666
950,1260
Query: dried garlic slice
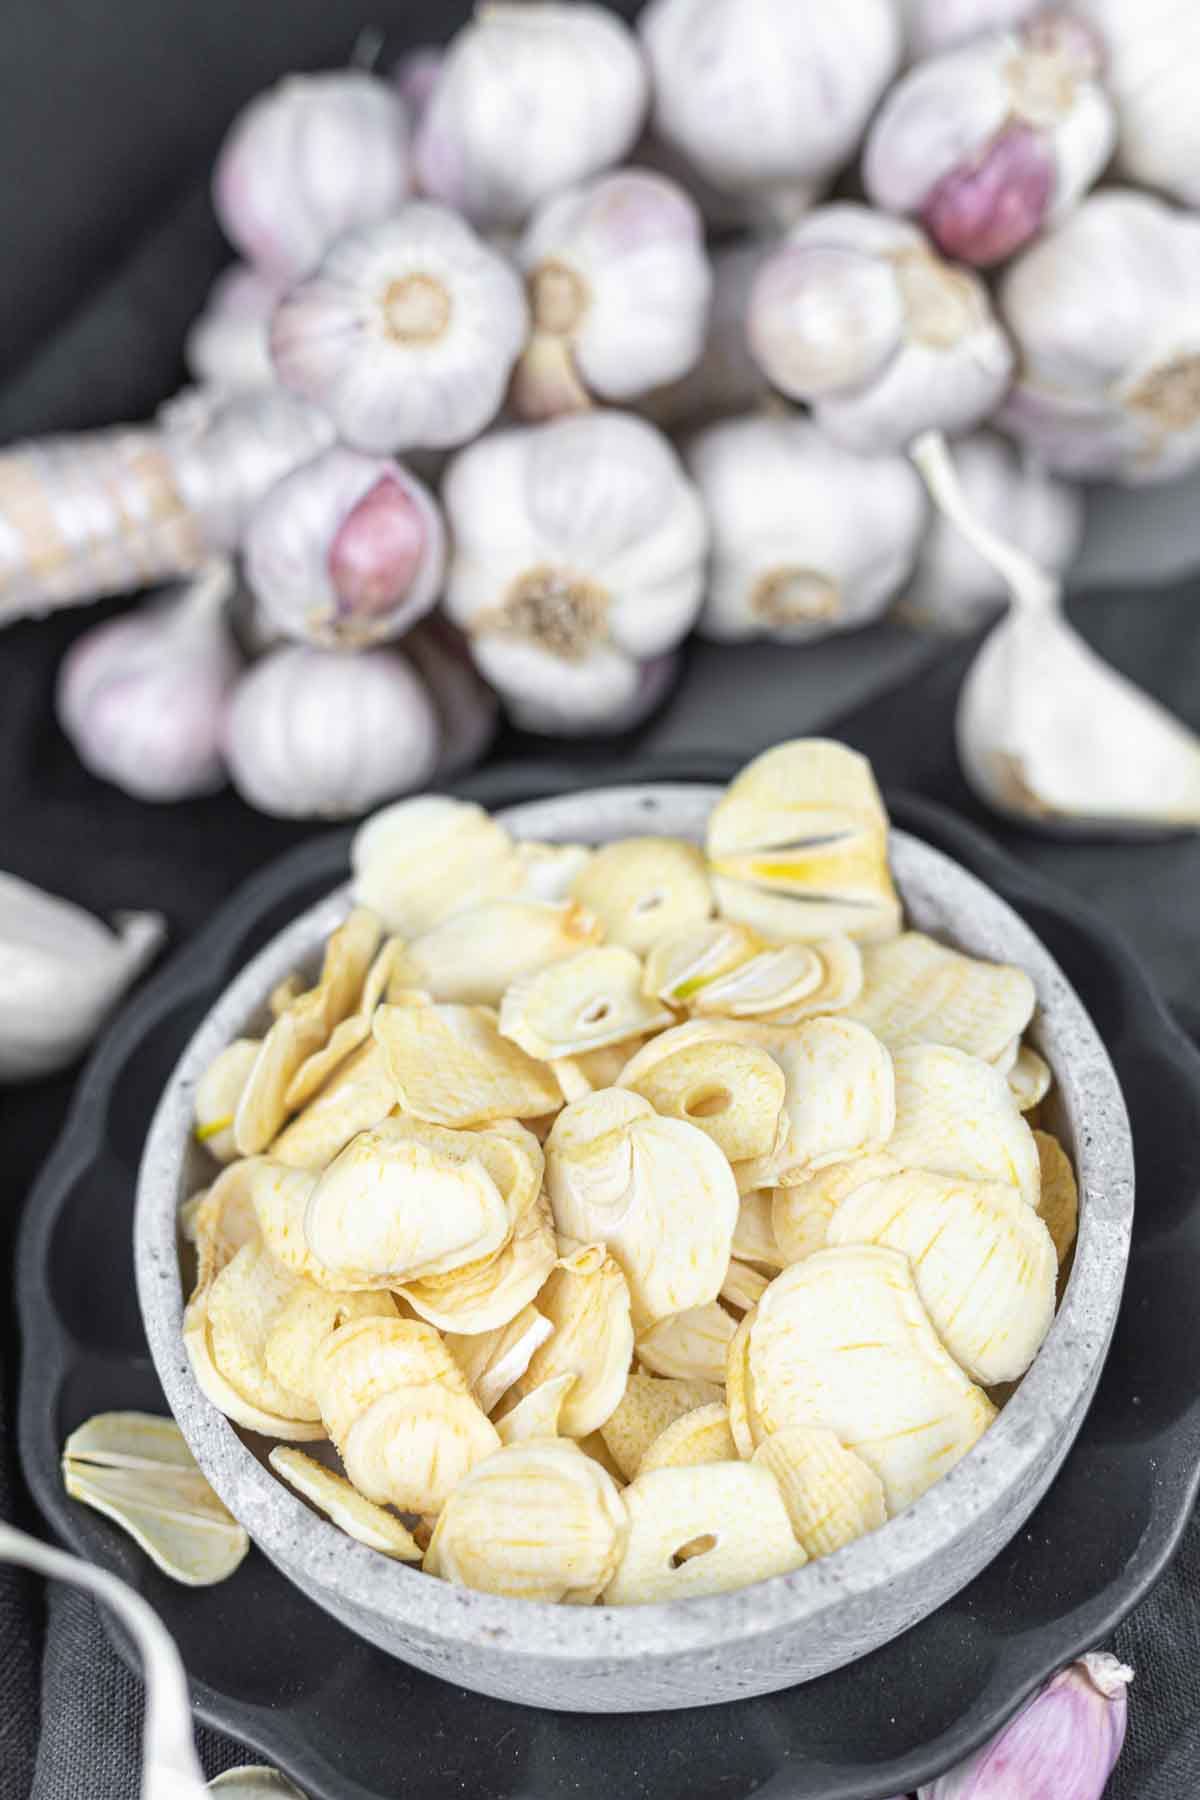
x,y
306,1319
485,1295
743,1423
831,1496
359,1363
413,1446
586,1299
137,1470
648,1405
228,1359
702,1530
956,1115
421,860
548,870
537,1414
345,1038
1029,1078
1058,1205
800,1215
743,1286
754,1237
579,1004
643,887
731,1090
280,1197
451,1066
492,1361
700,1436
594,1446
358,1096
840,1099
680,966
341,1502
217,1094
917,991
475,955
692,1345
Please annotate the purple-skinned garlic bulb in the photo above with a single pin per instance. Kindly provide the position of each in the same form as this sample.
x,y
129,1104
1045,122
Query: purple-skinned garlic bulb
x,y
227,346
989,143
348,550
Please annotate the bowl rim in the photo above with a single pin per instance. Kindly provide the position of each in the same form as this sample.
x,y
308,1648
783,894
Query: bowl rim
x,y
1058,1384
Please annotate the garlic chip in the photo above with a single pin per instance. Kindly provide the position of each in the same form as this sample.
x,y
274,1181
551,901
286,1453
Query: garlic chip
x,y
421,860
586,1299
537,1414
225,1328
1058,1205
451,1066
644,887
368,1358
305,1320
754,1237
681,966
916,991
333,1495
486,1295
1029,1078
345,1038
692,1345
492,1361
217,1094
702,1530
475,955
746,1428
647,1407
700,1436
840,1099
357,1097
956,1115
536,1521
731,1090
280,1196
800,1215
831,1496
548,870
580,1003
593,1445
743,1286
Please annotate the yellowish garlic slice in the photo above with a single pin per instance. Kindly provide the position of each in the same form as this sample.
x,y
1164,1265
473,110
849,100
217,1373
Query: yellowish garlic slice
x,y
421,860
701,1436
984,1265
413,1446
217,1094
222,1219
831,1496
800,1215
306,1319
743,1286
581,1003
593,1445
840,1098
280,1197
602,1068
648,1405
680,966
486,1295
644,887
842,1340
341,1502
137,1470
1058,1203
548,870
359,1095
754,1237
917,991
744,1424
478,953
956,1115
732,1091
536,1521
492,1361
227,1358
1029,1078
774,978
451,1066
361,1362
692,1345
511,1154
345,1038
839,987
702,1530
537,1414
284,992
586,1299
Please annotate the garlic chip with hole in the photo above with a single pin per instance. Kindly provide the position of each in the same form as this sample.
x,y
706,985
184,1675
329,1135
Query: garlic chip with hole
x,y
648,1405
643,888
1058,1204
692,1345
217,1094
957,1116
581,1002
479,952
451,1066
831,1496
422,860
917,991
702,1530
341,1502
732,1091
493,1361
700,1436
586,1299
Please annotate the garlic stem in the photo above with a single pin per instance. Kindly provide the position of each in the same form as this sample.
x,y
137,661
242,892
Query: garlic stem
x,y
1029,585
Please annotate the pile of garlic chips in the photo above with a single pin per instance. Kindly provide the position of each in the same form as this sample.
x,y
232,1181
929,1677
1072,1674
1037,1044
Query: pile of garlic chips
x,y
634,1223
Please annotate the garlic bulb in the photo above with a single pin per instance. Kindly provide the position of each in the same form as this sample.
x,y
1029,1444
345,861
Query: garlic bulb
x,y
1153,52
142,697
313,157
345,551
952,587
226,347
578,555
931,26
414,76
316,733
990,142
530,98
858,316
406,334
605,695
467,709
1105,312
726,379
61,973
619,286
226,452
807,538
767,97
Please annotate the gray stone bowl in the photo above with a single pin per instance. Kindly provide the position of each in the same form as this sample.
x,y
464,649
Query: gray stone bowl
x,y
778,1632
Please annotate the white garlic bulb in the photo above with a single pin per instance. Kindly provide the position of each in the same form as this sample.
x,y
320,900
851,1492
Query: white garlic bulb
x,y
990,142
347,550
1105,312
529,99
406,334
578,554
415,74
225,452
619,286
320,733
726,379
61,972
931,26
226,347
768,97
1153,53
600,697
807,538
857,315
952,587
467,709
313,157
142,697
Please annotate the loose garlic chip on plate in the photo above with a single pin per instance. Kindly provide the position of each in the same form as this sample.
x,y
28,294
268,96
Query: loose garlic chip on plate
x,y
700,1436
217,1094
581,1003
733,1091
917,991
702,1530
800,1215
797,846
341,1502
831,1496
642,888
840,1100
689,1345
451,1066
648,1405
956,1115
419,861
1058,1204
475,955
586,1299
492,1361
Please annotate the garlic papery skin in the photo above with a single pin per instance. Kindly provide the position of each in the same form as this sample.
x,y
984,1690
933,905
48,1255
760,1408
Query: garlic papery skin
x,y
1064,1742
952,587
323,734
990,142
142,697
226,348
531,97
61,973
406,334
467,709
313,157
619,287
856,314
931,26
807,538
726,379
578,553
767,97
1153,52
345,551
1105,313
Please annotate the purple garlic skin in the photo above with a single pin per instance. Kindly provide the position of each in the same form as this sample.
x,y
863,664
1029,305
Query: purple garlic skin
x,y
982,214
377,551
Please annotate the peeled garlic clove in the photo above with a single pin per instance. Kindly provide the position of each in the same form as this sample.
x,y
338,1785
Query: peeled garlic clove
x,y
692,1345
800,1213
586,1299
698,1437
226,346
414,1445
358,1095
733,1092
831,1496
648,1405
1058,1200
466,707
451,1066
840,1097
490,1291
579,1003
333,1495
537,1414
474,956
493,1361
362,1361
528,100
1029,1079
957,1116
307,160
643,888
217,1094
702,1530
918,991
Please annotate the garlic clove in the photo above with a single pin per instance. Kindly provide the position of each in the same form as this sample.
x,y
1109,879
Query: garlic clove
x,y
726,379
1151,54
226,346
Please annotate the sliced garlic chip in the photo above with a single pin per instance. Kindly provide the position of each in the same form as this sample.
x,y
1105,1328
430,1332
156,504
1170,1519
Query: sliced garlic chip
x,y
984,1264
643,888
797,846
647,1407
831,1496
731,1090
421,860
754,1237
956,1115
537,1414
743,1423
536,1521
579,1004
702,1436
842,1340
1029,1078
840,985
486,1295
548,870
227,1353
593,1445
284,992
359,1096
345,1038
680,967
586,1299
692,1345
702,1530
475,955
280,1197
917,991
359,1363
303,1323
217,1094
413,1446
511,1154
800,1215
451,1066
743,1286
222,1219
492,1361
777,976
840,1098
333,1495
137,1470
1058,1205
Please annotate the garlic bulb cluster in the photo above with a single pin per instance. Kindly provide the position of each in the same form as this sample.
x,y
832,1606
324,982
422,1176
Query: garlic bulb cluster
x,y
227,452
1105,313
406,334
619,287
858,316
313,157
142,697
726,379
807,538
414,76
1153,52
578,556
227,346
531,97
988,143
768,98
931,26
345,551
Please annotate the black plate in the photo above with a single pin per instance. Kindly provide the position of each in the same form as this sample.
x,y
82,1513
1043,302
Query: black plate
x,y
351,1724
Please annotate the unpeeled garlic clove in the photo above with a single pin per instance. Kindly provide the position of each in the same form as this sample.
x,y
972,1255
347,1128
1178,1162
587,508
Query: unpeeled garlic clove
x,y
226,346
1152,51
